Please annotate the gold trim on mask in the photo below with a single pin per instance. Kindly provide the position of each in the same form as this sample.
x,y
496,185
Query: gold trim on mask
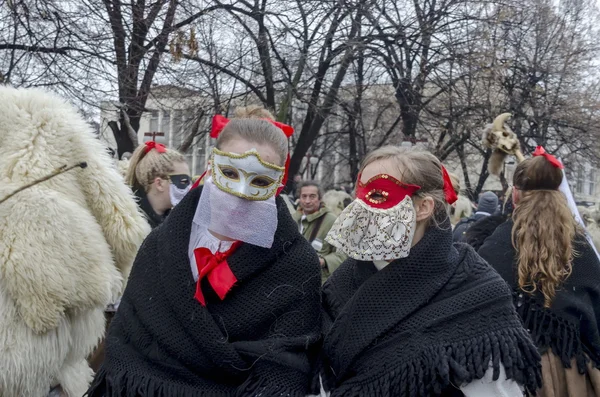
x,y
248,154
253,197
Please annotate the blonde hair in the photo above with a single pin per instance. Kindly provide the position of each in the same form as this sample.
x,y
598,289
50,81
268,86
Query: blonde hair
x,y
250,123
544,228
417,167
455,182
145,167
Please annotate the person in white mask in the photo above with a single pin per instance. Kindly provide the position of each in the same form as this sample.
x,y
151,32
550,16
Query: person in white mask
x,y
160,178
224,297
411,314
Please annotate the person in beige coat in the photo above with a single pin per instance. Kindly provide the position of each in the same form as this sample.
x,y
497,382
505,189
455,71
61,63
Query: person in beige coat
x,y
66,244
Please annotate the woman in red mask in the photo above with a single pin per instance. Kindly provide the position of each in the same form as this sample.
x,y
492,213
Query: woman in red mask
x,y
411,314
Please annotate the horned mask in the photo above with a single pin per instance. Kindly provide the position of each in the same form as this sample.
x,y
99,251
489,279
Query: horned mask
x,y
503,141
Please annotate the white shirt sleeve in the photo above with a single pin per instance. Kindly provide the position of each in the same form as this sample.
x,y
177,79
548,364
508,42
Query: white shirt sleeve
x,y
487,387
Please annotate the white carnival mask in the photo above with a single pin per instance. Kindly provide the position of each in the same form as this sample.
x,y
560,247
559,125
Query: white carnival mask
x,y
246,175
379,224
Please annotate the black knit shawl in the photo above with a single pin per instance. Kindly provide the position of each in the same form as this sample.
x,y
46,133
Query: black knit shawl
x,y
570,326
422,324
256,341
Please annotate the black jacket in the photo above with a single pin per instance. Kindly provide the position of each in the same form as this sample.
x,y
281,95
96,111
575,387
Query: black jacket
x,y
482,229
152,217
458,235
257,341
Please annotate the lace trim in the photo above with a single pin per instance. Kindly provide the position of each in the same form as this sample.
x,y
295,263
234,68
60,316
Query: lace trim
x,y
366,233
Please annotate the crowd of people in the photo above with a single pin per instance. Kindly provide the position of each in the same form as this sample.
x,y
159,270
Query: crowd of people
x,y
231,286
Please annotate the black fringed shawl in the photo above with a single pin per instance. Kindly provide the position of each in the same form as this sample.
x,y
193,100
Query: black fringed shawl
x,y
570,326
256,341
422,325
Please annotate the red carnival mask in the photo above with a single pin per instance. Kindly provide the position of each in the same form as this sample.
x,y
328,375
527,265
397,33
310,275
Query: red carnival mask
x,y
384,191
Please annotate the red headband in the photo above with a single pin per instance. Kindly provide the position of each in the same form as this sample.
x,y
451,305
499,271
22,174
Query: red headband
x,y
449,192
160,148
219,122
540,151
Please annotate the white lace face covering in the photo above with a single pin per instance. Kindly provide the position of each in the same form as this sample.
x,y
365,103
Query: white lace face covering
x,y
365,233
379,224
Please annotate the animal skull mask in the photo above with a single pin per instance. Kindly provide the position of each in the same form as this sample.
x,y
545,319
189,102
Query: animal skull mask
x,y
503,141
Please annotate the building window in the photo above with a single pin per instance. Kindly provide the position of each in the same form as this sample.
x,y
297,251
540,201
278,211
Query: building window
x,y
592,183
166,121
177,127
580,181
154,121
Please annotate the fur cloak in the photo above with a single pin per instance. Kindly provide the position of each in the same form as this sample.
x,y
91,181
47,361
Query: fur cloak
x,y
66,244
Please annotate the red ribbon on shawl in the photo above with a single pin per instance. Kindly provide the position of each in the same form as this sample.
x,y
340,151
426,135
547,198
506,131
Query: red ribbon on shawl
x,y
216,269
540,151
160,148
219,122
449,192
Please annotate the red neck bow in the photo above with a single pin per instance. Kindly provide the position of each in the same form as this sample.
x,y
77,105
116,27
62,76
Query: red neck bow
x,y
540,151
216,269
160,148
219,122
449,192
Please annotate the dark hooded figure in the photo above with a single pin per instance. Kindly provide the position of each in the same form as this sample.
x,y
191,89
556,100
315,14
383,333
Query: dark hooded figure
x,y
484,227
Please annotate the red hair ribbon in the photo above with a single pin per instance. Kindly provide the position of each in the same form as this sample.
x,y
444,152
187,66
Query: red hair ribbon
x,y
540,151
449,192
160,148
219,122
216,269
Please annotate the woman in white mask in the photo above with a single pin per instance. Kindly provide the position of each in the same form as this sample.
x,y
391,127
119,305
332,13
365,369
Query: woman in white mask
x,y
411,314
160,178
224,297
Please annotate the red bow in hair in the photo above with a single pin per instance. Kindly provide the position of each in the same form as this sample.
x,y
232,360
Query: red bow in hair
x,y
449,192
540,151
219,122
153,145
216,269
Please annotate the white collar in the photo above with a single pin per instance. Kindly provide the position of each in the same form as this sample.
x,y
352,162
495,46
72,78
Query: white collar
x,y
380,264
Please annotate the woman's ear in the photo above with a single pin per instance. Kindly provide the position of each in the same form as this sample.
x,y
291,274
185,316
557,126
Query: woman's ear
x,y
515,195
161,184
424,208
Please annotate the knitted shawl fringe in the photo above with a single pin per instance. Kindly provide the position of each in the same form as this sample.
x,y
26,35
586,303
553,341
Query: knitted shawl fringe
x,y
123,386
456,364
549,331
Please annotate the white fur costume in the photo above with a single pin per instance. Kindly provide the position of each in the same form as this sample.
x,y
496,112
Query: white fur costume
x,y
65,244
334,200
462,209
